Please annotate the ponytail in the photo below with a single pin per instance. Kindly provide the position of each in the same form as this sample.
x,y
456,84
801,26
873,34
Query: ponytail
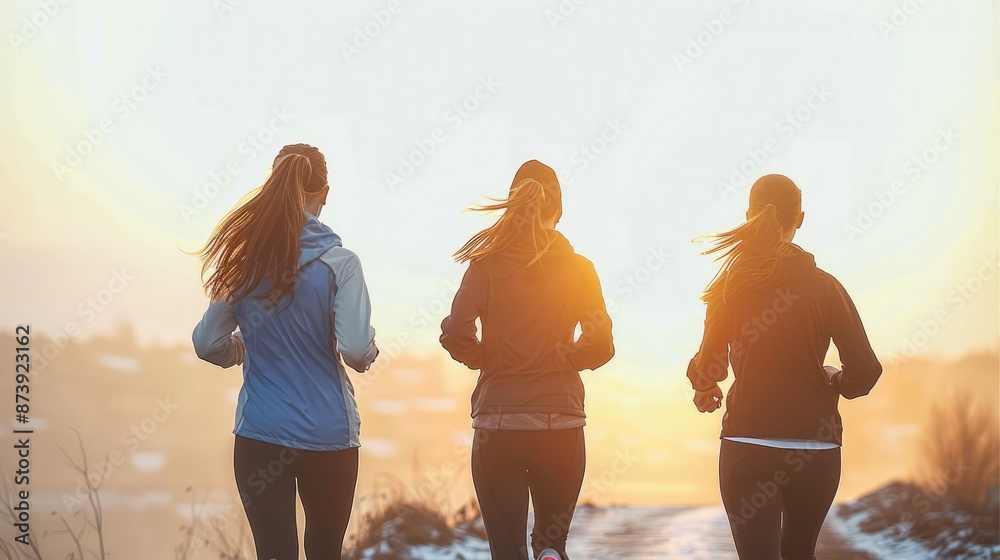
x,y
750,255
259,237
529,204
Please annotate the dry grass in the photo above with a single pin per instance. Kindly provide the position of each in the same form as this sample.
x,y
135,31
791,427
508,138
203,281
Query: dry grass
x,y
394,516
214,531
391,517
962,448
84,527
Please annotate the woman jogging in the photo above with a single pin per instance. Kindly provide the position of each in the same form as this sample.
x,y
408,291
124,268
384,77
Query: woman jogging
x,y
530,290
772,314
299,300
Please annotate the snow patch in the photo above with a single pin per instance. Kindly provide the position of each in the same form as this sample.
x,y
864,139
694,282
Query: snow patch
x,y
881,544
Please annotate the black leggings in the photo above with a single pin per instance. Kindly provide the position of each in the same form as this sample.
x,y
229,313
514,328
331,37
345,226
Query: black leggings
x,y
507,465
266,476
777,499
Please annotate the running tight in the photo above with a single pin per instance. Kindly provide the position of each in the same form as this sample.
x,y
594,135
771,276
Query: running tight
x,y
510,465
267,476
777,499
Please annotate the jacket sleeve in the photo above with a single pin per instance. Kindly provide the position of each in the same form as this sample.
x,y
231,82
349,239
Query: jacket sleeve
x,y
458,330
352,314
860,369
214,339
711,364
595,347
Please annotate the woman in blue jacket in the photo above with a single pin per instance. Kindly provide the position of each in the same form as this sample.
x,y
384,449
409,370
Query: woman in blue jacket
x,y
299,300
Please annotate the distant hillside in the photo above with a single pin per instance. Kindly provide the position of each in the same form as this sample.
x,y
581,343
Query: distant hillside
x,y
647,442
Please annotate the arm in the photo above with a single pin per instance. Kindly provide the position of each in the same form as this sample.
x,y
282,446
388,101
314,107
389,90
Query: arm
x,y
352,314
595,347
458,330
861,369
213,337
711,364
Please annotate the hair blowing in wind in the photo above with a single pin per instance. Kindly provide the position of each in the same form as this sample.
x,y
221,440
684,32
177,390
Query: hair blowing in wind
x,y
534,198
750,252
259,238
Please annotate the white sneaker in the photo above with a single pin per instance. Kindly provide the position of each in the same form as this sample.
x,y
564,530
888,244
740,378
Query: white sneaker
x,y
549,554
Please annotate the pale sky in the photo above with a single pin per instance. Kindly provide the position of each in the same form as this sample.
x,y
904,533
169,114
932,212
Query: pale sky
x,y
647,111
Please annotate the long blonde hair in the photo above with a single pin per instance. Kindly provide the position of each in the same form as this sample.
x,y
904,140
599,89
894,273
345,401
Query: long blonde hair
x,y
259,238
534,198
751,251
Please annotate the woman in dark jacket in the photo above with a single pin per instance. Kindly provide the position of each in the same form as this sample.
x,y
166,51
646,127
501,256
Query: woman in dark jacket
x,y
530,290
772,314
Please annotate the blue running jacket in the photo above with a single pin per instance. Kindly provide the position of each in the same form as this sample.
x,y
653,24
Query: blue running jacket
x,y
296,392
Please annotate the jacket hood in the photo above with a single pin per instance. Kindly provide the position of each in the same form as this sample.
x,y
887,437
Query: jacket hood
x,y
317,238
516,256
792,266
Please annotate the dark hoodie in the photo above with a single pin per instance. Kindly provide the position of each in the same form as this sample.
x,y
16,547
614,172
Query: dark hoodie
x,y
528,357
777,338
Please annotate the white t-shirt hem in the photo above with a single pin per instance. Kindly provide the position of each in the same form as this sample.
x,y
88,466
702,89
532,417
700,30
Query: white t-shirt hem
x,y
781,443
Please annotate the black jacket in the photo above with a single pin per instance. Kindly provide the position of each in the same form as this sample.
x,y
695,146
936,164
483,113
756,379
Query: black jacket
x,y
776,339
528,357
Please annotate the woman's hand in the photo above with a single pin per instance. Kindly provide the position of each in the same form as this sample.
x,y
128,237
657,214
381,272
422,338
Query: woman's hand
x,y
708,401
